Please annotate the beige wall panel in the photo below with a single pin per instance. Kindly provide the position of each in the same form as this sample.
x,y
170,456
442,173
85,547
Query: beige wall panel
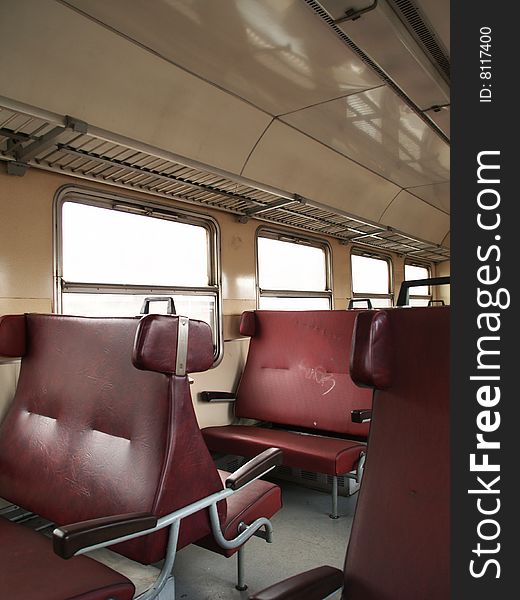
x,y
397,274
8,378
238,257
224,378
274,53
292,161
56,59
14,306
26,237
377,129
414,216
442,292
341,274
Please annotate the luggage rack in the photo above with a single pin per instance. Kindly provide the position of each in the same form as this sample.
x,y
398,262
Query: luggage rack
x,y
30,137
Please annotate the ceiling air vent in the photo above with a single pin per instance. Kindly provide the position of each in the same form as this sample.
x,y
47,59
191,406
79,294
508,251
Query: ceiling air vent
x,y
422,31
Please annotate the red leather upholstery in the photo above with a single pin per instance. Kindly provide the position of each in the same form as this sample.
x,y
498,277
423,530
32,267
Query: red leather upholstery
x,y
399,545
12,336
50,576
258,499
372,353
89,435
297,371
297,376
154,351
329,455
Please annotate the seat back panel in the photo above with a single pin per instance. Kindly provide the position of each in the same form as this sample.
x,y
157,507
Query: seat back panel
x,y
297,371
89,435
399,545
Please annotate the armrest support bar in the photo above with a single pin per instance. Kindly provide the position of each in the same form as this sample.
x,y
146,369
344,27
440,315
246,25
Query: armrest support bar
x,y
217,397
315,584
257,466
68,539
361,415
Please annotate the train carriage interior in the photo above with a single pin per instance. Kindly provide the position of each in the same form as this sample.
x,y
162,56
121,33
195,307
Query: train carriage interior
x,y
224,299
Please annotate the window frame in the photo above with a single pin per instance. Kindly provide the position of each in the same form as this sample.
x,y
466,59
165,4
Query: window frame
x,y
294,238
357,251
123,203
427,266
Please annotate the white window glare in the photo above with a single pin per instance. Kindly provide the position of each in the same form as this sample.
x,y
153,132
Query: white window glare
x,y
419,301
370,275
101,245
291,266
380,303
292,275
110,258
278,303
413,272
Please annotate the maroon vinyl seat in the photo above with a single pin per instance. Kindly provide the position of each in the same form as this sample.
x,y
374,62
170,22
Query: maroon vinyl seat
x,y
102,427
297,380
400,540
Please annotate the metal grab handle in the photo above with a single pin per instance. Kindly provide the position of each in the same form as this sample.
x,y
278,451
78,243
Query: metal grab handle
x,y
432,302
354,300
145,309
404,293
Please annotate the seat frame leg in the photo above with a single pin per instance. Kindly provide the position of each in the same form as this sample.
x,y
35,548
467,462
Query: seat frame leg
x,y
240,586
334,513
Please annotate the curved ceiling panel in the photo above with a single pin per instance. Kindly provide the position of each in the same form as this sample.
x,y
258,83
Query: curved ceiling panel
x,y
288,159
377,129
408,213
437,195
275,54
60,61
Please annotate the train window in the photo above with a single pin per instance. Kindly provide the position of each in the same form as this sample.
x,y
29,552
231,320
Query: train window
x,y
111,255
293,273
371,278
419,296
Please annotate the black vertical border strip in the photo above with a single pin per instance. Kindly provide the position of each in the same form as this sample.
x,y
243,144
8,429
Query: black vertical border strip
x,y
476,127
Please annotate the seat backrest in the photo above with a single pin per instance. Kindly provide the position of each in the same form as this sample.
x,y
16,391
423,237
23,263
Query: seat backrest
x,y
399,545
297,371
89,435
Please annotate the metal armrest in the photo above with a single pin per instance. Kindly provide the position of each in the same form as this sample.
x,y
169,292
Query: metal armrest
x,y
254,468
361,415
69,539
217,396
315,584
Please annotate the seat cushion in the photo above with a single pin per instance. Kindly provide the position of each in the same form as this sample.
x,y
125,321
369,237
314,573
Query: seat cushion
x,y
258,499
332,456
29,570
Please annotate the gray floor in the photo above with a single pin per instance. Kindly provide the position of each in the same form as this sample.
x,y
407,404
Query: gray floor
x,y
304,537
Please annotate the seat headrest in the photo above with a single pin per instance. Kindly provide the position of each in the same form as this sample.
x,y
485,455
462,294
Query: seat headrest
x,y
155,346
12,336
248,323
372,351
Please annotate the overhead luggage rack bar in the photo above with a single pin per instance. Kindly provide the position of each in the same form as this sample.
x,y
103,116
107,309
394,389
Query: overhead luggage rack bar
x,y
30,137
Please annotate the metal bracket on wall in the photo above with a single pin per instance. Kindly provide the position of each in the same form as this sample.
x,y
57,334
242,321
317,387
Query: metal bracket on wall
x,y
17,168
23,154
256,210
353,14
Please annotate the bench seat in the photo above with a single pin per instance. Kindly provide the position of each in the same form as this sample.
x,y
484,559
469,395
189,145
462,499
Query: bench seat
x,y
32,571
297,378
329,455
